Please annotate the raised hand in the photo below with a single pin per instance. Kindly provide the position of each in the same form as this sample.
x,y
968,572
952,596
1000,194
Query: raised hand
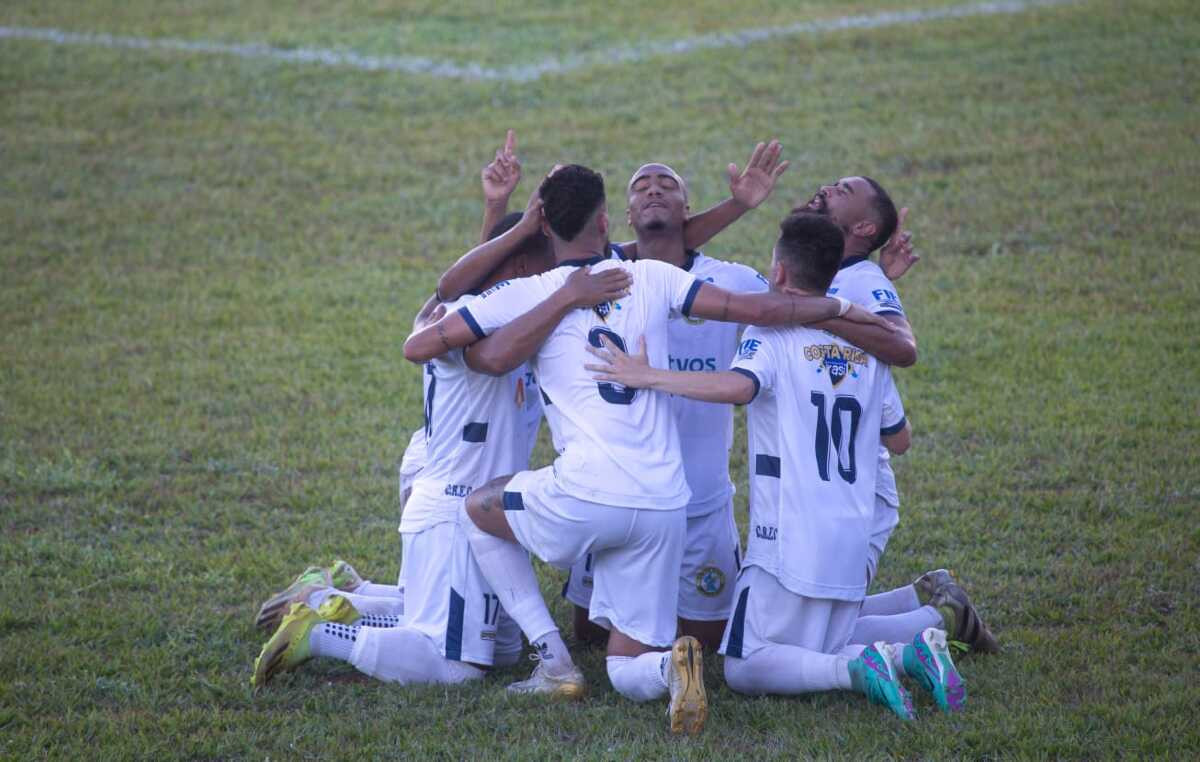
x,y
587,290
625,369
897,256
752,185
501,175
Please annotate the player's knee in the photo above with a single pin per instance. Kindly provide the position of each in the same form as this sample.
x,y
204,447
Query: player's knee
x,y
739,676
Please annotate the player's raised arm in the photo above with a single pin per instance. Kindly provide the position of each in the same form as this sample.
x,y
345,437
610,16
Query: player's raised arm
x,y
748,188
471,268
517,341
499,179
635,372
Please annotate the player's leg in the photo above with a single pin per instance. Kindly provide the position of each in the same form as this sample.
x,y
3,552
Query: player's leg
x,y
711,556
506,565
577,591
339,576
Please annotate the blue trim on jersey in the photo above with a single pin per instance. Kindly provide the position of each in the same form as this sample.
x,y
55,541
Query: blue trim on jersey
x,y
454,627
581,261
512,501
691,297
767,465
737,628
890,312
895,428
566,586
750,375
618,251
472,323
852,261
689,259
475,432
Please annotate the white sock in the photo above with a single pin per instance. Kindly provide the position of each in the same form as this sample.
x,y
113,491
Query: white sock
x,y
639,678
506,566
895,628
332,640
375,590
406,656
363,604
380,620
786,670
898,601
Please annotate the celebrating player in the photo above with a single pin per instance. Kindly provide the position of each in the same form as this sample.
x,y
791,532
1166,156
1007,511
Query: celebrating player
x,y
815,404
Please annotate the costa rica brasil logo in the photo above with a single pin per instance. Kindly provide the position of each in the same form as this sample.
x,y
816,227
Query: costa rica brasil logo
x,y
836,360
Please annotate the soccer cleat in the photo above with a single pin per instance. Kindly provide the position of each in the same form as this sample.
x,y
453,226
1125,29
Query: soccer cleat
x,y
685,679
930,582
563,683
962,619
343,576
311,579
337,608
288,647
874,675
927,660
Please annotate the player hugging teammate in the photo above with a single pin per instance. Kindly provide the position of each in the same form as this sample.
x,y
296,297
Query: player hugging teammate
x,y
540,319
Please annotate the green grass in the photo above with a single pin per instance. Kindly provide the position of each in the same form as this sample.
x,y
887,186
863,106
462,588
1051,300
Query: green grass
x,y
209,265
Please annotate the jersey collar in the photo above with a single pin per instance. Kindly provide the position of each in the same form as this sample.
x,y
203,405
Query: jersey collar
x,y
581,262
852,261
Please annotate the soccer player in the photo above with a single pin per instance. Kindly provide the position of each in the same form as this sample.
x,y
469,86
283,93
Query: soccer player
x,y
867,217
617,489
815,404
452,628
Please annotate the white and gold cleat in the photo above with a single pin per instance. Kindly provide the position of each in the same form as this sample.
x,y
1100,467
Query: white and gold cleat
x,y
685,680
565,684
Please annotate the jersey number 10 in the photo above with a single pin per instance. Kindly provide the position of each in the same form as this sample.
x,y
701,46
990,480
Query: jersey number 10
x,y
837,435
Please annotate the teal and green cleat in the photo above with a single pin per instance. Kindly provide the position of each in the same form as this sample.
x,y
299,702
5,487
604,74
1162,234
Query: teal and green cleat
x,y
873,675
343,576
927,660
288,647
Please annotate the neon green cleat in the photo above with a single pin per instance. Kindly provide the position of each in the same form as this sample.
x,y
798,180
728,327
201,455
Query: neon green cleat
x,y
874,675
288,647
927,660
337,608
310,580
343,576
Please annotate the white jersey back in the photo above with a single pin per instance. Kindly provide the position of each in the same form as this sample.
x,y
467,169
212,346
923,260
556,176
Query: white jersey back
x,y
706,428
862,281
618,446
476,428
821,405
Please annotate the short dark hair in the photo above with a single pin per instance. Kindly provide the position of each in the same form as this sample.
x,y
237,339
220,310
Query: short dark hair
x,y
570,197
810,250
886,211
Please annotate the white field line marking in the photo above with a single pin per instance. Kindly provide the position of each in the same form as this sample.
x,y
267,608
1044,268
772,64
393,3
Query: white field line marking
x,y
526,72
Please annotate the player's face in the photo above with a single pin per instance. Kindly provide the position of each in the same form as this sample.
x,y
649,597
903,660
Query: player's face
x,y
846,201
657,199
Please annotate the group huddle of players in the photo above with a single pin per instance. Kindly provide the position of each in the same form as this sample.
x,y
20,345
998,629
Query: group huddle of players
x,y
635,354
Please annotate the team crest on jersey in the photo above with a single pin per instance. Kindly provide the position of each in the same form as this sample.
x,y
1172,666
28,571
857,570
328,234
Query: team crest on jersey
x,y
836,360
710,581
604,310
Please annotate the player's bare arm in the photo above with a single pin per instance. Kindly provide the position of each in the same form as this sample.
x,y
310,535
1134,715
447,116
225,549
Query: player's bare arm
x,y
472,267
777,308
899,442
499,179
518,341
896,347
425,315
635,371
748,188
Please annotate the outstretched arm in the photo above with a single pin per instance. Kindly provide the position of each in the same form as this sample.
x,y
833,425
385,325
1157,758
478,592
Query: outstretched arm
x,y
896,347
634,371
519,340
775,308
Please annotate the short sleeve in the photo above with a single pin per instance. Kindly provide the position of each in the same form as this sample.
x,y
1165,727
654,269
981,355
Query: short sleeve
x,y
679,286
750,281
755,358
870,289
503,303
893,419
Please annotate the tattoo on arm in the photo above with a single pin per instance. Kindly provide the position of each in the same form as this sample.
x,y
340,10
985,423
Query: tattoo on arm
x,y
441,331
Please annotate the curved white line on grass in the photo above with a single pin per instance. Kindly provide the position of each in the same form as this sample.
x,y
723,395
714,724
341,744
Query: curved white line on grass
x,y
528,72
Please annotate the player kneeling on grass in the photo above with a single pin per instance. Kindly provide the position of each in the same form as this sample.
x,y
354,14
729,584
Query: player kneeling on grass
x,y
815,405
452,627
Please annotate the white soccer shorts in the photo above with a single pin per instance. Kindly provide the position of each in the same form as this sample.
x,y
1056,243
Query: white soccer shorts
x,y
711,558
766,612
447,598
635,552
883,523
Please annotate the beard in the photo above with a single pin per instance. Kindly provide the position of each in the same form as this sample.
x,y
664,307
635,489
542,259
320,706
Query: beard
x,y
817,205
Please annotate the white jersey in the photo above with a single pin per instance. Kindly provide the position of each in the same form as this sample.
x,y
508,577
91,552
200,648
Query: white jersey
x,y
618,446
820,405
475,430
862,282
706,428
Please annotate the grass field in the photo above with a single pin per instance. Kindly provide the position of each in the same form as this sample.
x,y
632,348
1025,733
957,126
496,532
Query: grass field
x,y
209,264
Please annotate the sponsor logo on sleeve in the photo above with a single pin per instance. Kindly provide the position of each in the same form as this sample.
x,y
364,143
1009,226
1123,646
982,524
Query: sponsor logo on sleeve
x,y
494,289
765,532
747,348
